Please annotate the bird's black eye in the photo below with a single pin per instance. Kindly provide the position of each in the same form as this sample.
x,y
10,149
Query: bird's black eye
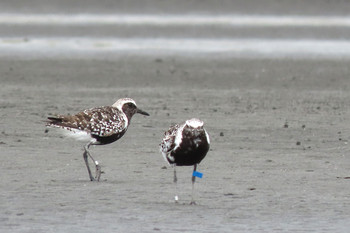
x,y
130,105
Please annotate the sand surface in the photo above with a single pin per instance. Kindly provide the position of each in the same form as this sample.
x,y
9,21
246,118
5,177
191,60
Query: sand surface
x,y
279,158
259,176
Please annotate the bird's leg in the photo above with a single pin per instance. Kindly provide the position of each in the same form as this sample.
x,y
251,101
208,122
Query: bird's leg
x,y
98,167
98,171
175,182
85,155
193,181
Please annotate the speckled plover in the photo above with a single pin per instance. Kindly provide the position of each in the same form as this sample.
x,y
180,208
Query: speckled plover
x,y
98,126
185,144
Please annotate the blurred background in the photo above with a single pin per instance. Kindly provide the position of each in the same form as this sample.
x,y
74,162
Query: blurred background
x,y
267,28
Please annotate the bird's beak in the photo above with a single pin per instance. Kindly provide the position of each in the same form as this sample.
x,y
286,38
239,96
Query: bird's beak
x,y
142,112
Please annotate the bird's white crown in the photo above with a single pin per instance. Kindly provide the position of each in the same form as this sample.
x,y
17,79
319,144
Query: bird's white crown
x,y
119,104
195,123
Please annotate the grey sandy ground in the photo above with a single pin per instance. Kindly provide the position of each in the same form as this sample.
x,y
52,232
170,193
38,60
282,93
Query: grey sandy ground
x,y
278,160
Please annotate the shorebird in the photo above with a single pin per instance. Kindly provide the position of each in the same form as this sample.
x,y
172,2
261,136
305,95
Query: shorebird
x,y
185,144
98,126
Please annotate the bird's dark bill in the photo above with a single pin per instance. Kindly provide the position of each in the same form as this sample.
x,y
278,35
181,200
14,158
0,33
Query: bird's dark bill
x,y
142,112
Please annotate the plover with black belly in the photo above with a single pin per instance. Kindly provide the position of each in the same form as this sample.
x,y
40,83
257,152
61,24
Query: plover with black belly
x,y
98,126
185,144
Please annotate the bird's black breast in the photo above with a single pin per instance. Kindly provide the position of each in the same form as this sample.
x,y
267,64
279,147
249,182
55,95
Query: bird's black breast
x,y
192,149
108,139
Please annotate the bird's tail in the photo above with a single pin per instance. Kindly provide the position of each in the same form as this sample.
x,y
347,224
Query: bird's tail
x,y
54,121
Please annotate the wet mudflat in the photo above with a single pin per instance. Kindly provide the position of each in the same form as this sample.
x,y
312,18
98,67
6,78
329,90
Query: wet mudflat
x,y
278,159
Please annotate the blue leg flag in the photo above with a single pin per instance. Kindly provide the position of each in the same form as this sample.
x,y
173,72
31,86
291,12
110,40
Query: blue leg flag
x,y
197,174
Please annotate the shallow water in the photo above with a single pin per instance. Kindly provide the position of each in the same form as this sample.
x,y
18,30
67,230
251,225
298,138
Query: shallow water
x,y
76,35
184,20
77,47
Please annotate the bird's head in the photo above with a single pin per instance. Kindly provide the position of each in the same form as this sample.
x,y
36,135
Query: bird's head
x,y
194,123
129,107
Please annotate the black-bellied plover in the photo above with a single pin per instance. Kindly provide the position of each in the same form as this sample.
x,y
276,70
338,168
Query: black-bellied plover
x,y
185,144
98,126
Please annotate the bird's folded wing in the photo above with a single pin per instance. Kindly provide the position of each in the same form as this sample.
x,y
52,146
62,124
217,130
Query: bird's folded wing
x,y
168,142
107,121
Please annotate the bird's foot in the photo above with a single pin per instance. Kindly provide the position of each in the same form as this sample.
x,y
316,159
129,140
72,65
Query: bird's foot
x,y
193,203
